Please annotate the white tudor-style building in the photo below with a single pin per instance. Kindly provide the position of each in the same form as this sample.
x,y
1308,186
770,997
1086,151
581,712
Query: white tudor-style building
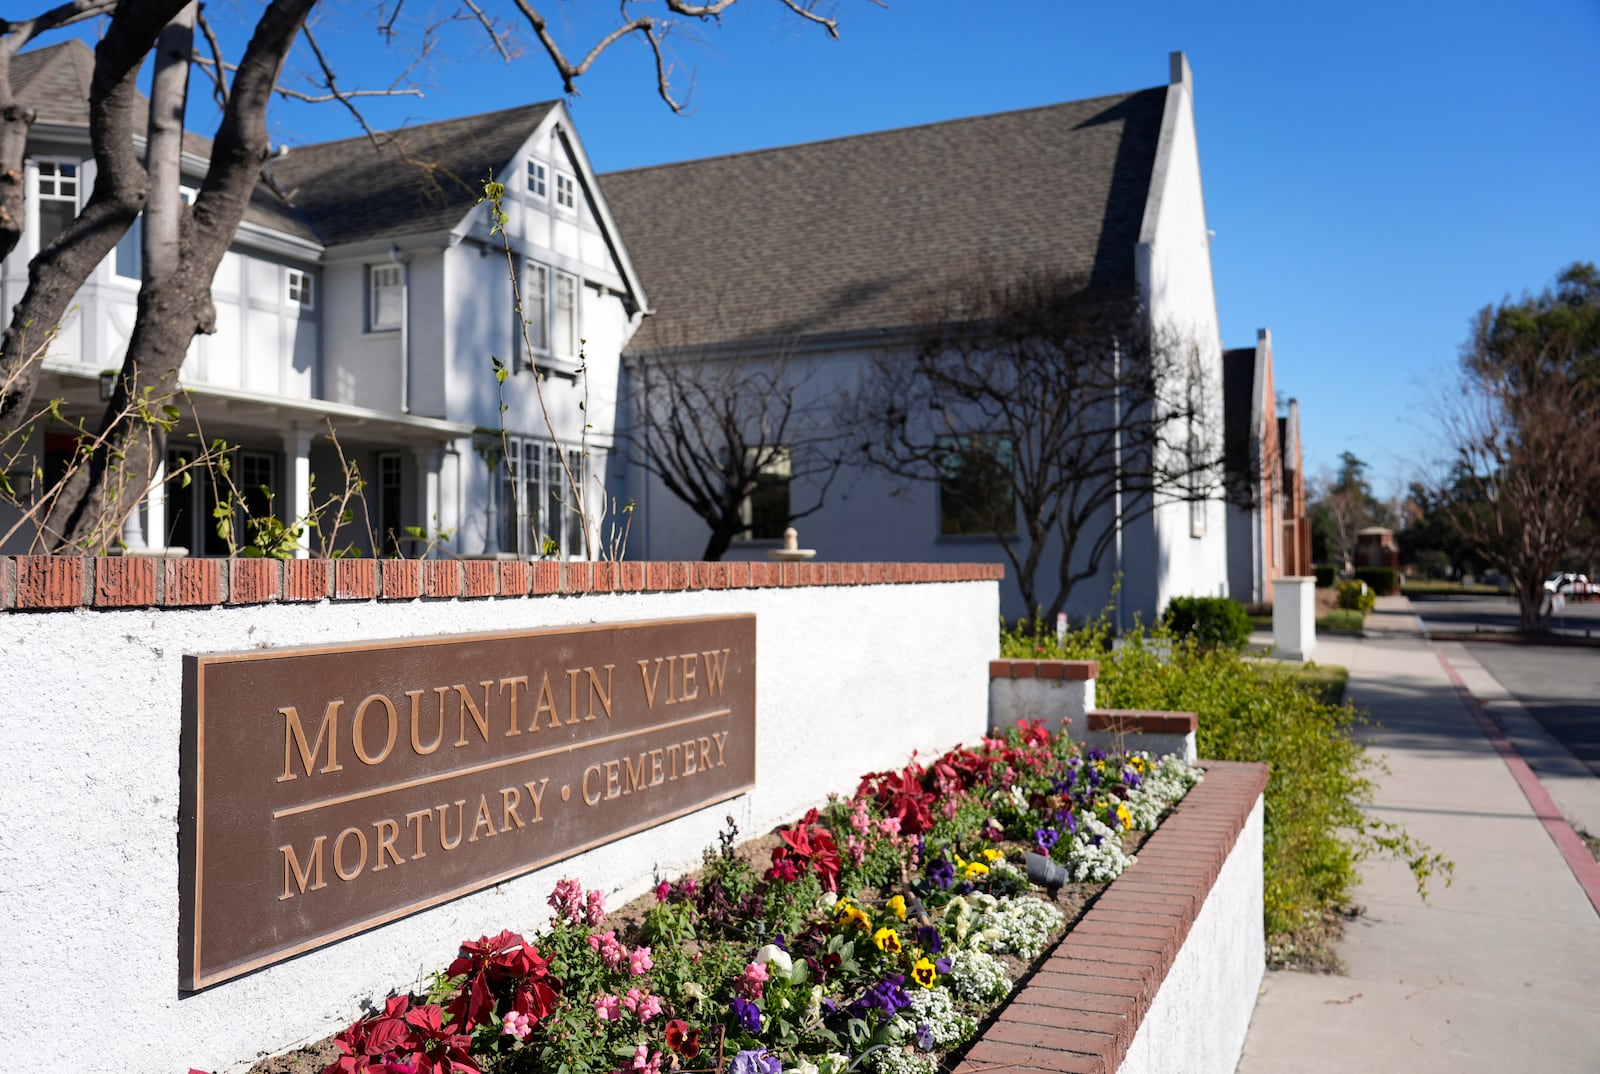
x,y
819,253
365,289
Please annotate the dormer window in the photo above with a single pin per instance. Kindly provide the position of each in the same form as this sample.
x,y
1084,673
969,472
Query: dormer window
x,y
566,192
538,180
58,198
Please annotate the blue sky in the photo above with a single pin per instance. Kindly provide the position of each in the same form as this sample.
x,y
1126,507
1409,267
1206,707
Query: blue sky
x,y
1374,172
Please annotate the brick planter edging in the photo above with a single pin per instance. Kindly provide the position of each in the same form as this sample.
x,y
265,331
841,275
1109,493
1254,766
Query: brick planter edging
x,y
45,583
1070,670
1081,1010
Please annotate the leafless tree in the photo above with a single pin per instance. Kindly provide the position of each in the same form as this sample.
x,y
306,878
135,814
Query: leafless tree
x,y
188,241
734,440
1524,435
1036,403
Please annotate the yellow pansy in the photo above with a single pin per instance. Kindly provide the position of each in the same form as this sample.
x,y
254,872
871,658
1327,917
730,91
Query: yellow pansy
x,y
974,870
991,855
896,905
924,973
887,940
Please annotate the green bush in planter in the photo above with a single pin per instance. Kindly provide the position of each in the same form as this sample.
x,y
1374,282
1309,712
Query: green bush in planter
x,y
1315,831
1356,597
1383,580
1211,621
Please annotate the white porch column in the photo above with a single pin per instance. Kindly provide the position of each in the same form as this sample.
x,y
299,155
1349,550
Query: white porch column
x,y
155,506
297,449
427,460
1294,617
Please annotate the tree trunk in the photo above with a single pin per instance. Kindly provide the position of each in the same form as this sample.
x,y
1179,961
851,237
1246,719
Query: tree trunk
x,y
173,309
120,187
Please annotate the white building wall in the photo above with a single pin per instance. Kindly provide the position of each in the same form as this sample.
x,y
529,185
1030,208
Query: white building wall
x,y
92,804
1175,270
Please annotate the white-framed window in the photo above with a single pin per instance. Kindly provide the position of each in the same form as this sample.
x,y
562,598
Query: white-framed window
x,y
58,197
537,513
566,192
302,290
385,297
535,311
129,260
564,328
538,180
765,511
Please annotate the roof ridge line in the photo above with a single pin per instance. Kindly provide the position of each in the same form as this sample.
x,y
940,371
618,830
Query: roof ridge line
x,y
955,121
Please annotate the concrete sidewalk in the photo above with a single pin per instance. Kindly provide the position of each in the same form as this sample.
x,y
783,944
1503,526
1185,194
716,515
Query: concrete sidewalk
x,y
1500,971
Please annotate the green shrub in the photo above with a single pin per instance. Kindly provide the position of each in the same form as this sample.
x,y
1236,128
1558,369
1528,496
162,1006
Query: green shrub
x,y
1211,621
1356,597
1383,580
1315,830
1326,574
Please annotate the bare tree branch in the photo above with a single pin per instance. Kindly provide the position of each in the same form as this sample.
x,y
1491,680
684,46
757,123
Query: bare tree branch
x,y
496,37
215,67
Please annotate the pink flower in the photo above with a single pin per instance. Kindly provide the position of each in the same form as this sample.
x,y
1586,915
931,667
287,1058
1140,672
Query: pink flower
x,y
643,1060
595,911
889,826
649,1007
640,961
612,953
516,1025
607,1008
567,900
663,889
856,849
858,816
753,982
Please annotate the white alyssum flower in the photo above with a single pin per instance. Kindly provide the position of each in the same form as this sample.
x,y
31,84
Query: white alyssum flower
x,y
1094,852
934,1008
977,976
1019,924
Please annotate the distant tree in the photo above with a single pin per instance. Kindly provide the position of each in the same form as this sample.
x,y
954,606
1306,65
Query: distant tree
x,y
1033,403
1427,538
185,243
729,438
1342,504
1524,433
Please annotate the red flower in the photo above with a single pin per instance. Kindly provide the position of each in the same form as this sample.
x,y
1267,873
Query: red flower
x,y
683,1040
503,967
901,795
371,1042
812,844
440,1048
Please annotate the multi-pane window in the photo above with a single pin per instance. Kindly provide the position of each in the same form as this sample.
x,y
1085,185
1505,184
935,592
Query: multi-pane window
x,y
975,486
58,198
765,511
565,329
538,180
385,297
130,252
535,307
538,514
566,192
300,288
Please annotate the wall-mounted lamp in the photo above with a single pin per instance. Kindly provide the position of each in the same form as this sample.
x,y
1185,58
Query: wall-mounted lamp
x,y
108,384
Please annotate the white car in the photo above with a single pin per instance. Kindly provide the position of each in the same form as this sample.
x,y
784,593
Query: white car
x,y
1566,586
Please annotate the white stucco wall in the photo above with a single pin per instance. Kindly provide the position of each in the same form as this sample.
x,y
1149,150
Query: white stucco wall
x,y
1198,1020
849,680
1174,264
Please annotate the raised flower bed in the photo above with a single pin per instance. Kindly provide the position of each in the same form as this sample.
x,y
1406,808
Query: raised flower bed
x,y
879,934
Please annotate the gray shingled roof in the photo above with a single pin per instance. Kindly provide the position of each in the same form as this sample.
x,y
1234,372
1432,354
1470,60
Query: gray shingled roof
x,y
1238,403
414,179
54,82
846,235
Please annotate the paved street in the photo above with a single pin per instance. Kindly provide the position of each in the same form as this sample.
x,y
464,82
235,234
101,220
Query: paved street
x,y
1465,615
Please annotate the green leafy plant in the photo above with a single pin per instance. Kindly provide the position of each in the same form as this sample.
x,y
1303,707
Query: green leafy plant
x,y
1210,621
1315,829
1382,580
1355,596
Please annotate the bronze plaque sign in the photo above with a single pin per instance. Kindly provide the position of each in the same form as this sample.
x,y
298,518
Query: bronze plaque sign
x,y
328,790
